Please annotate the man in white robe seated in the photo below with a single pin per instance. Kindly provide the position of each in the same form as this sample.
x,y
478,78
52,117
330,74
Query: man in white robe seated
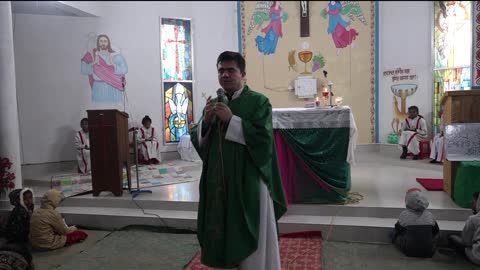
x,y
414,129
436,147
82,144
148,143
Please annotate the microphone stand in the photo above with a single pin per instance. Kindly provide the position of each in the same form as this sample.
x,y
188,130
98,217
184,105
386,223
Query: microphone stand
x,y
135,193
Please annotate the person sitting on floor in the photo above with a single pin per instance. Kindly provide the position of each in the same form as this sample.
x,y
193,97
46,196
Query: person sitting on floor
x,y
147,139
15,244
48,230
82,143
18,224
436,146
416,231
413,130
469,242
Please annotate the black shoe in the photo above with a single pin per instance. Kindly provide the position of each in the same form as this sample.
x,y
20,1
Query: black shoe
x,y
404,152
433,161
415,157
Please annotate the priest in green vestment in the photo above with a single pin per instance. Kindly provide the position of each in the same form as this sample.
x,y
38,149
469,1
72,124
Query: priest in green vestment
x,y
241,192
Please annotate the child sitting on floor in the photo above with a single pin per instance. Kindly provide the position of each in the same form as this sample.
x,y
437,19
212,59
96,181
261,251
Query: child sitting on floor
x,y
48,230
416,231
469,242
15,249
18,224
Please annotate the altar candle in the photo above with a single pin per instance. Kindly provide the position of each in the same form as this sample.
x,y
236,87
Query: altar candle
x,y
317,101
325,92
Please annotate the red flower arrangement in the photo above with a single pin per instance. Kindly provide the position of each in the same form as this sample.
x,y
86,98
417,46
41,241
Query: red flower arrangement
x,y
6,177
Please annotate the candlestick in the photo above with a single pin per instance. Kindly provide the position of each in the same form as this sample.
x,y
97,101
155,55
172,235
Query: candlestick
x,y
330,85
338,101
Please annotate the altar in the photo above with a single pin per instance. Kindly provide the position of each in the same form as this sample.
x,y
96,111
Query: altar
x,y
315,148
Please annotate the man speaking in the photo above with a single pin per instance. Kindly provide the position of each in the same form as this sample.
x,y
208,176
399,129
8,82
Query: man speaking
x,y
241,193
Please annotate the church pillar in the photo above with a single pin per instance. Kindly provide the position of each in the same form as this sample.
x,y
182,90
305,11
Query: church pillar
x,y
9,128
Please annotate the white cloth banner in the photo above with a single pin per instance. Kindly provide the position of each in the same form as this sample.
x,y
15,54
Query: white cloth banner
x,y
462,141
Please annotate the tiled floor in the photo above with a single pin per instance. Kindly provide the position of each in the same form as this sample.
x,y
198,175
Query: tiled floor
x,y
383,180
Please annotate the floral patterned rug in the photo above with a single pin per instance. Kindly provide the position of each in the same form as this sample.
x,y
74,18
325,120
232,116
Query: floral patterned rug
x,y
302,250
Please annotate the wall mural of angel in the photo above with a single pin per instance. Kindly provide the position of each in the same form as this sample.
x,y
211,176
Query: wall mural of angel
x,y
272,12
337,26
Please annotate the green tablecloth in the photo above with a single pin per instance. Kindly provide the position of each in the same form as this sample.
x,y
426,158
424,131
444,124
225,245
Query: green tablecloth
x,y
467,181
319,161
315,148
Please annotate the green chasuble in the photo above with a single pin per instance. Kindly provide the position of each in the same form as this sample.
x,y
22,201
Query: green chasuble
x,y
229,209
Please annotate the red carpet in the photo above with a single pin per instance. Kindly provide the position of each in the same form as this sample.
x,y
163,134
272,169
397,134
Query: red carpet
x,y
431,183
301,250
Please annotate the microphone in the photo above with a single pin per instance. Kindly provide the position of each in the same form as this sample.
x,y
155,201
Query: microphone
x,y
221,97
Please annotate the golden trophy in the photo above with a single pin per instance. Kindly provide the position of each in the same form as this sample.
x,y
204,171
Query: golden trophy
x,y
305,57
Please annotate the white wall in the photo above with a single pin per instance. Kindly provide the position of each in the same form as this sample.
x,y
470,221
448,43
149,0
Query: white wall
x,y
405,41
53,95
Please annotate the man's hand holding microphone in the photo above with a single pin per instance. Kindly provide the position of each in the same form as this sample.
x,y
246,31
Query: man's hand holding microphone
x,y
217,109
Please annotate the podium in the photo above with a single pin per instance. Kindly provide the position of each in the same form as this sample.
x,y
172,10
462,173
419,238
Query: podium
x,y
458,107
109,152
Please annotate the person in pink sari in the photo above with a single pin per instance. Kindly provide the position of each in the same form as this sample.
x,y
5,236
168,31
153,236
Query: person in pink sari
x,y
106,71
337,26
268,44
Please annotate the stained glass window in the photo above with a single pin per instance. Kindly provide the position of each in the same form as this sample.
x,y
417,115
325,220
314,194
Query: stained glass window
x,y
453,50
178,110
176,59
176,50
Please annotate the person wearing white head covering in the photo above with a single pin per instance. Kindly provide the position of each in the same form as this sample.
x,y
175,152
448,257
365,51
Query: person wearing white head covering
x,y
416,231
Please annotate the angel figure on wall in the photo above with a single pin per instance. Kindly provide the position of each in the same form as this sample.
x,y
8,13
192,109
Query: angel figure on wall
x,y
337,26
268,44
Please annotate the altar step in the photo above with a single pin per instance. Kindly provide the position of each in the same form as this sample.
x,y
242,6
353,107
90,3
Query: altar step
x,y
333,227
147,201
369,221
337,222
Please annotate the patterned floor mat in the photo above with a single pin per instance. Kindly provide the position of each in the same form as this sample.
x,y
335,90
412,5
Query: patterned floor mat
x,y
149,176
302,250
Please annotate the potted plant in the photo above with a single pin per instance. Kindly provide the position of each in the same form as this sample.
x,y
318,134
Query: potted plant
x,y
6,178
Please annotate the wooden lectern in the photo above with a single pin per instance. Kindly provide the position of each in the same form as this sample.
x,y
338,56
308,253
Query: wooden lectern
x,y
458,107
109,152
